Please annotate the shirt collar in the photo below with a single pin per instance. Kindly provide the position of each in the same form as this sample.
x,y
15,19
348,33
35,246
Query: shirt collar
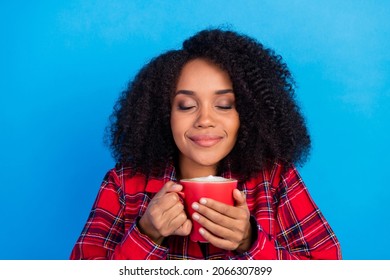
x,y
155,184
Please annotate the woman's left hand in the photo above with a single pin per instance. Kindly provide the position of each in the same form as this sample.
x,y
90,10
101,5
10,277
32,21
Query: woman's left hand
x,y
226,227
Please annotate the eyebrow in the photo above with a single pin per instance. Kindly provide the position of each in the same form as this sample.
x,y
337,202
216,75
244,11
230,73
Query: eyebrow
x,y
190,92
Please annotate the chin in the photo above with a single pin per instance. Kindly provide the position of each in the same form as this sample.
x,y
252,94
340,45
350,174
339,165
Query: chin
x,y
207,163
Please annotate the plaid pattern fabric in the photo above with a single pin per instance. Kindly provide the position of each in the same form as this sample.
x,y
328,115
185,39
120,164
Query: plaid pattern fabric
x,y
289,224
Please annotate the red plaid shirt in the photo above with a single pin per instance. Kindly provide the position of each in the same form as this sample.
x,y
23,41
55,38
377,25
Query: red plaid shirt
x,y
289,224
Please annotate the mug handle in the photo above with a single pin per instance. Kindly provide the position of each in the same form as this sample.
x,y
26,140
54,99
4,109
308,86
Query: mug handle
x,y
182,195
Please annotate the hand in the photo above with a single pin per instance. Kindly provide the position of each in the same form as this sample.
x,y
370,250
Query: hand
x,y
226,227
165,215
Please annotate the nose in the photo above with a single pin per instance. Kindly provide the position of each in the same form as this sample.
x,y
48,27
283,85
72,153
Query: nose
x,y
205,118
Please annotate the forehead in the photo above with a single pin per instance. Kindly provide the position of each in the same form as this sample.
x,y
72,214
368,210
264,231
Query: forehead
x,y
201,73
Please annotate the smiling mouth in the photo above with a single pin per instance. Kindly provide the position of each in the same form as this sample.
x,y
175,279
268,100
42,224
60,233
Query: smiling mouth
x,y
205,140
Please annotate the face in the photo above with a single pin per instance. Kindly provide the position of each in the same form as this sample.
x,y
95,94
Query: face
x,y
204,119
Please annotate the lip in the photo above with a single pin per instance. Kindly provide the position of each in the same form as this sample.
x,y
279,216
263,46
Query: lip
x,y
205,140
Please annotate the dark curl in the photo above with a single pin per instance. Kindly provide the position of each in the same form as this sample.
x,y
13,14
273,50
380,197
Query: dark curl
x,y
271,125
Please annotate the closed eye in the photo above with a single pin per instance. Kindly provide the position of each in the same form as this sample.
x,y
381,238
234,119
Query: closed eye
x,y
185,108
226,107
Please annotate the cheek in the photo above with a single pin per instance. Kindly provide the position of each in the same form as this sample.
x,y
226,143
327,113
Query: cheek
x,y
177,128
234,126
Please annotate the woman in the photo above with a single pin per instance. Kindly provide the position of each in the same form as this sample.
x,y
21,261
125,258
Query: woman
x,y
222,105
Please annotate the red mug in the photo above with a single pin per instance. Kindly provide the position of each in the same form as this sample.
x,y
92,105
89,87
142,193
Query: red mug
x,y
214,187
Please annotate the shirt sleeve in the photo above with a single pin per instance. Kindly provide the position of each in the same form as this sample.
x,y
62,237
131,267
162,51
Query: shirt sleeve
x,y
300,231
104,236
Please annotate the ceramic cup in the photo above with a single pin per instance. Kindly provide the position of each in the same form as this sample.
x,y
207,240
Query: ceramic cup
x,y
214,187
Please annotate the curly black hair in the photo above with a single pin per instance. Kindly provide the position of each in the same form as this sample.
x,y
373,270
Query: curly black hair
x,y
272,127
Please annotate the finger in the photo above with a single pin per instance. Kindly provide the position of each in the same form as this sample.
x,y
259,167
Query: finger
x,y
167,222
175,188
217,241
218,223
160,208
175,220
178,220
173,207
173,212
230,217
169,186
219,207
217,227
166,197
184,229
240,198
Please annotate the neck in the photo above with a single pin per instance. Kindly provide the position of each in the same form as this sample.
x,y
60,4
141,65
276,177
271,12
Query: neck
x,y
187,171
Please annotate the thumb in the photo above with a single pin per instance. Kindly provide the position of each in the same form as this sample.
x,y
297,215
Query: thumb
x,y
169,186
239,197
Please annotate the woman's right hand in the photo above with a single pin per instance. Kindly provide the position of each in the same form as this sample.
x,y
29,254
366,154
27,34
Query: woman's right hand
x,y
165,215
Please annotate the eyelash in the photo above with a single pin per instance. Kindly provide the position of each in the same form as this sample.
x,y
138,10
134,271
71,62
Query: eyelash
x,y
227,107
186,108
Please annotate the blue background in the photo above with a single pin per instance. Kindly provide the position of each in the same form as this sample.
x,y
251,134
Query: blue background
x,y
64,63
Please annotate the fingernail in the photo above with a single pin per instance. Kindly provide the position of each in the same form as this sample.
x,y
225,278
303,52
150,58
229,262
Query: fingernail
x,y
201,231
195,216
203,201
195,206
